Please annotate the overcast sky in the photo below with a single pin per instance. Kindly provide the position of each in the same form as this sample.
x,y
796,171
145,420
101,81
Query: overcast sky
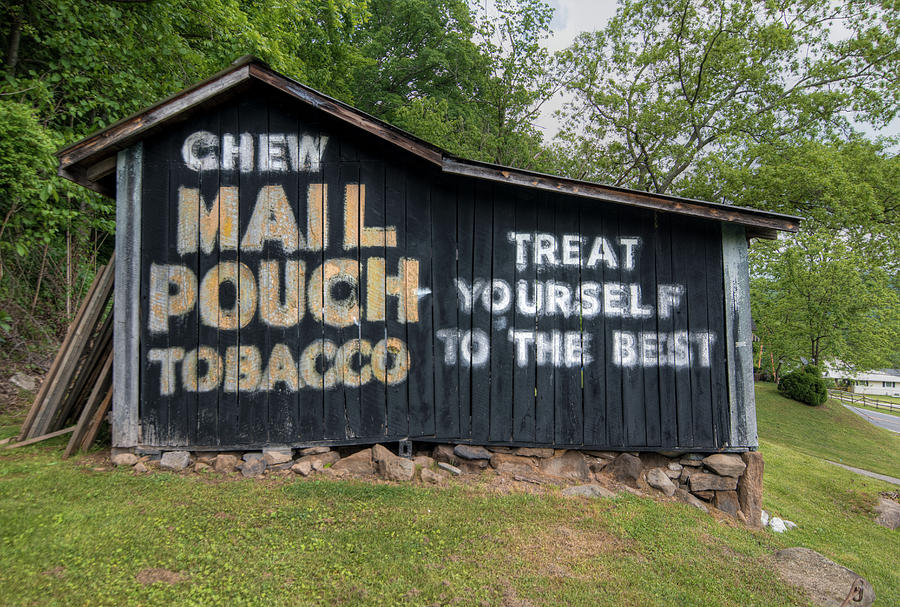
x,y
571,17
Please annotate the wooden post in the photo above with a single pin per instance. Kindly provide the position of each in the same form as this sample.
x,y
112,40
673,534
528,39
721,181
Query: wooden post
x,y
126,324
739,336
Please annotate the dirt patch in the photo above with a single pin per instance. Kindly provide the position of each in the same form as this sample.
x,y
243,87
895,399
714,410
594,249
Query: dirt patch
x,y
556,550
154,575
56,572
510,599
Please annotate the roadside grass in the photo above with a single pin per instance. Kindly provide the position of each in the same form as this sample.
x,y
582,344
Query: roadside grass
x,y
834,510
73,532
829,431
894,411
884,398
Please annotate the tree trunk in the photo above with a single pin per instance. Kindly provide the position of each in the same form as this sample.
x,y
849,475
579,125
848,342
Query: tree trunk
x,y
15,37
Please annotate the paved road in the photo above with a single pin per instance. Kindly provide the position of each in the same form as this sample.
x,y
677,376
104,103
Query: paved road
x,y
882,420
882,477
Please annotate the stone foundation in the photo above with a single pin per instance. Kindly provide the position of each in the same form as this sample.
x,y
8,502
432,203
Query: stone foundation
x,y
731,483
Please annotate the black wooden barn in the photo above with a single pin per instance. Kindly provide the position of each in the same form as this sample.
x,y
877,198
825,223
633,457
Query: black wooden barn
x,y
291,271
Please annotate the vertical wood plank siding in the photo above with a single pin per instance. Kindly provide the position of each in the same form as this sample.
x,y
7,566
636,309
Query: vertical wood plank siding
x,y
126,312
303,282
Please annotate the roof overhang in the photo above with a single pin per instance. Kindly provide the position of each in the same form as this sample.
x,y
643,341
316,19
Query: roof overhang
x,y
91,162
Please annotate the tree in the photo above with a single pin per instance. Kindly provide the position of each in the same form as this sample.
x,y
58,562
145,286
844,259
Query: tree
x,y
669,82
470,80
849,187
815,296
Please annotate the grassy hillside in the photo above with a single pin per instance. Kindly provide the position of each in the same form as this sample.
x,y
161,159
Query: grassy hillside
x,y
75,533
829,431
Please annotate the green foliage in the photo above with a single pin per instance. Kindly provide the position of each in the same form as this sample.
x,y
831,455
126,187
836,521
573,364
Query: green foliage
x,y
815,295
469,80
667,83
805,385
28,191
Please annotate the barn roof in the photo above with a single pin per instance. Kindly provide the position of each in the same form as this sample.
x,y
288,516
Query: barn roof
x,y
91,162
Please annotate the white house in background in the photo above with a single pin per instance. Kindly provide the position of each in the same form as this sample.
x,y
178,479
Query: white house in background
x,y
880,382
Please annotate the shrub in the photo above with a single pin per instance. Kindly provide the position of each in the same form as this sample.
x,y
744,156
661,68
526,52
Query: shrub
x,y
805,385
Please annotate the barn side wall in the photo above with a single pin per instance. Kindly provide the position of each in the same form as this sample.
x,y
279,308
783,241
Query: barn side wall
x,y
302,283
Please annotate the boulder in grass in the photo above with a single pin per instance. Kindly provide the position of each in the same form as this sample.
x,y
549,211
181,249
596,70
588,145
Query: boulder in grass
x,y
569,465
625,468
175,460
124,459
824,581
433,477
397,469
225,462
358,464
888,512
444,453
691,499
725,464
592,490
278,456
512,464
750,487
253,467
319,461
658,479
472,452
727,501
712,482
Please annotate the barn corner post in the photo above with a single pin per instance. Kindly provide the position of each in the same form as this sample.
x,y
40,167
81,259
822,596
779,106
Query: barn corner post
x,y
126,327
739,337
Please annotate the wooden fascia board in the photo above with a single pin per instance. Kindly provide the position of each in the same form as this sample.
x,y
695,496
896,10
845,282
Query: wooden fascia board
x,y
767,223
350,115
120,135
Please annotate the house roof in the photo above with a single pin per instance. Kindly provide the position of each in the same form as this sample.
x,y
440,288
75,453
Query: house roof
x,y
91,161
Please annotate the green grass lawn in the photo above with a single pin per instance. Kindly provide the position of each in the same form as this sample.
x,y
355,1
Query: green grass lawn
x,y
74,535
829,431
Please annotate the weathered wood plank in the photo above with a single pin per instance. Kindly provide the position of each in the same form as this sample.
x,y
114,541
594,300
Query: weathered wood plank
x,y
566,339
398,396
372,328
420,322
736,273
57,360
465,265
445,310
41,438
593,224
69,365
632,268
668,405
228,413
499,297
525,313
102,387
126,310
476,346
545,377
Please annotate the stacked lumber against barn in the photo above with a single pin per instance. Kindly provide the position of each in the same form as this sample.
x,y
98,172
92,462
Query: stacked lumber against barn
x,y
76,392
